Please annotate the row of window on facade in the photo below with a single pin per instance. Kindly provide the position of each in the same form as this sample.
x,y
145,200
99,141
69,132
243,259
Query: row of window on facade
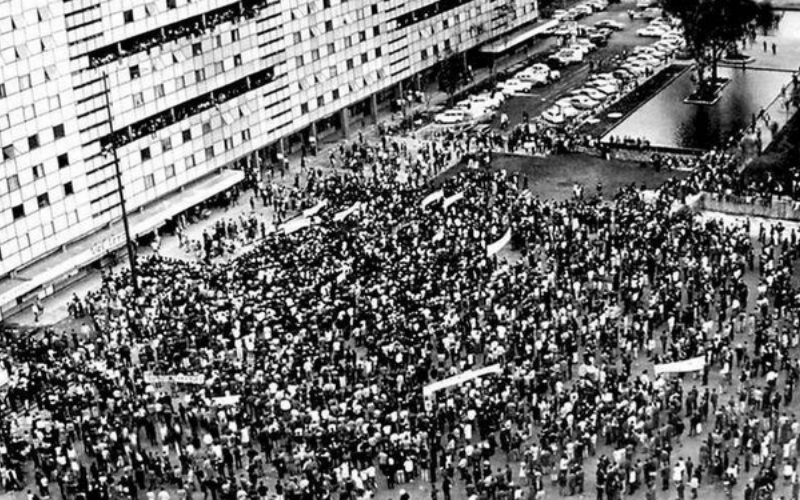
x,y
42,199
145,154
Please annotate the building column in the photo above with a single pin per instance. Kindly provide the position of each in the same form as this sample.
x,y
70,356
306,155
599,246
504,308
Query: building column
x,y
399,91
373,107
418,82
344,121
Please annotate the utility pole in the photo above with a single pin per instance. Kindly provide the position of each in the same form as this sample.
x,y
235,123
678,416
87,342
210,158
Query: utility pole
x,y
120,189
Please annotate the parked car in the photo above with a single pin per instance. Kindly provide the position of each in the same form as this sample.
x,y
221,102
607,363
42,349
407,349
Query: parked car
x,y
539,74
559,14
602,86
493,100
593,93
452,117
610,24
584,102
514,85
554,115
584,10
652,13
598,5
650,32
568,56
566,107
586,44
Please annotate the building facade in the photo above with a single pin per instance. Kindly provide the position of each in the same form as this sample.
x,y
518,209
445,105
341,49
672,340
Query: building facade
x,y
183,88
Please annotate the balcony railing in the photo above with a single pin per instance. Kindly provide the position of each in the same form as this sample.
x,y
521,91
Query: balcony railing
x,y
189,27
153,123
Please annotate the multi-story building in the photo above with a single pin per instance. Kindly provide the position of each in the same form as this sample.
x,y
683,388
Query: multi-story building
x,y
182,89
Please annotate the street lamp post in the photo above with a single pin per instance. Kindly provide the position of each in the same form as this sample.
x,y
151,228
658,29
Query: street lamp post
x,y
120,188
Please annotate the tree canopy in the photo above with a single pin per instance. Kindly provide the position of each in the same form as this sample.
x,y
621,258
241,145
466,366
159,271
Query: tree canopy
x,y
711,27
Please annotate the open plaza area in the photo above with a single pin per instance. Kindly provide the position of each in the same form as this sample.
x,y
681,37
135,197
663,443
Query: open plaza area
x,y
522,252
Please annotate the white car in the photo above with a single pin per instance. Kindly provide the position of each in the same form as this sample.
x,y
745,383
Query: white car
x,y
452,117
485,99
569,56
559,14
583,102
648,59
594,93
584,10
585,42
650,32
514,85
636,70
604,87
610,24
598,4
539,74
566,107
554,115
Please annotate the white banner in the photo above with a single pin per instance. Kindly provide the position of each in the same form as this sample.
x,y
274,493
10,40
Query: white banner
x,y
460,379
296,225
437,195
309,212
687,365
226,400
347,212
149,378
452,199
499,244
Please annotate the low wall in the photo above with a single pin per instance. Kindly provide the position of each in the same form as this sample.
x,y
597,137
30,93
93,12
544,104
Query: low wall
x,y
772,207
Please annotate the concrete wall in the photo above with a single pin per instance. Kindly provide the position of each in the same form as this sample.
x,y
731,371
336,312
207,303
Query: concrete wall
x,y
774,207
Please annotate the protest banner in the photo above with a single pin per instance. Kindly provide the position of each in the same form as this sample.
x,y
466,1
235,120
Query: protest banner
x,y
296,225
436,195
226,400
687,365
452,199
150,378
310,212
499,244
347,212
459,379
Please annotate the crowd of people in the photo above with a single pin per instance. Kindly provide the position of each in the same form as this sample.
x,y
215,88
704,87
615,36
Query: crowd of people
x,y
298,368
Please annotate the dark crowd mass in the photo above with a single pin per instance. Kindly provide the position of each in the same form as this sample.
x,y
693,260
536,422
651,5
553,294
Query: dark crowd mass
x,y
297,368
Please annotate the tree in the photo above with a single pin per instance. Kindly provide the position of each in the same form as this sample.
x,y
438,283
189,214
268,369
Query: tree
x,y
712,27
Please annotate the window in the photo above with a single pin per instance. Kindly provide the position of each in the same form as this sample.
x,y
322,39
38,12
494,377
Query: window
x,y
326,4
304,108
209,152
207,128
25,82
138,99
362,36
237,60
335,94
331,48
169,171
9,152
68,189
197,49
33,141
228,143
298,61
364,58
447,45
145,154
5,122
350,64
315,54
190,162
445,23
166,144
13,183
378,52
328,26
200,75
180,82
219,68
235,35
3,90
128,16
320,101
333,71
298,37
424,54
348,42
374,9
172,4
18,212
376,30
43,200
58,131
134,72
149,181
63,160
187,135
245,135
159,91
38,171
